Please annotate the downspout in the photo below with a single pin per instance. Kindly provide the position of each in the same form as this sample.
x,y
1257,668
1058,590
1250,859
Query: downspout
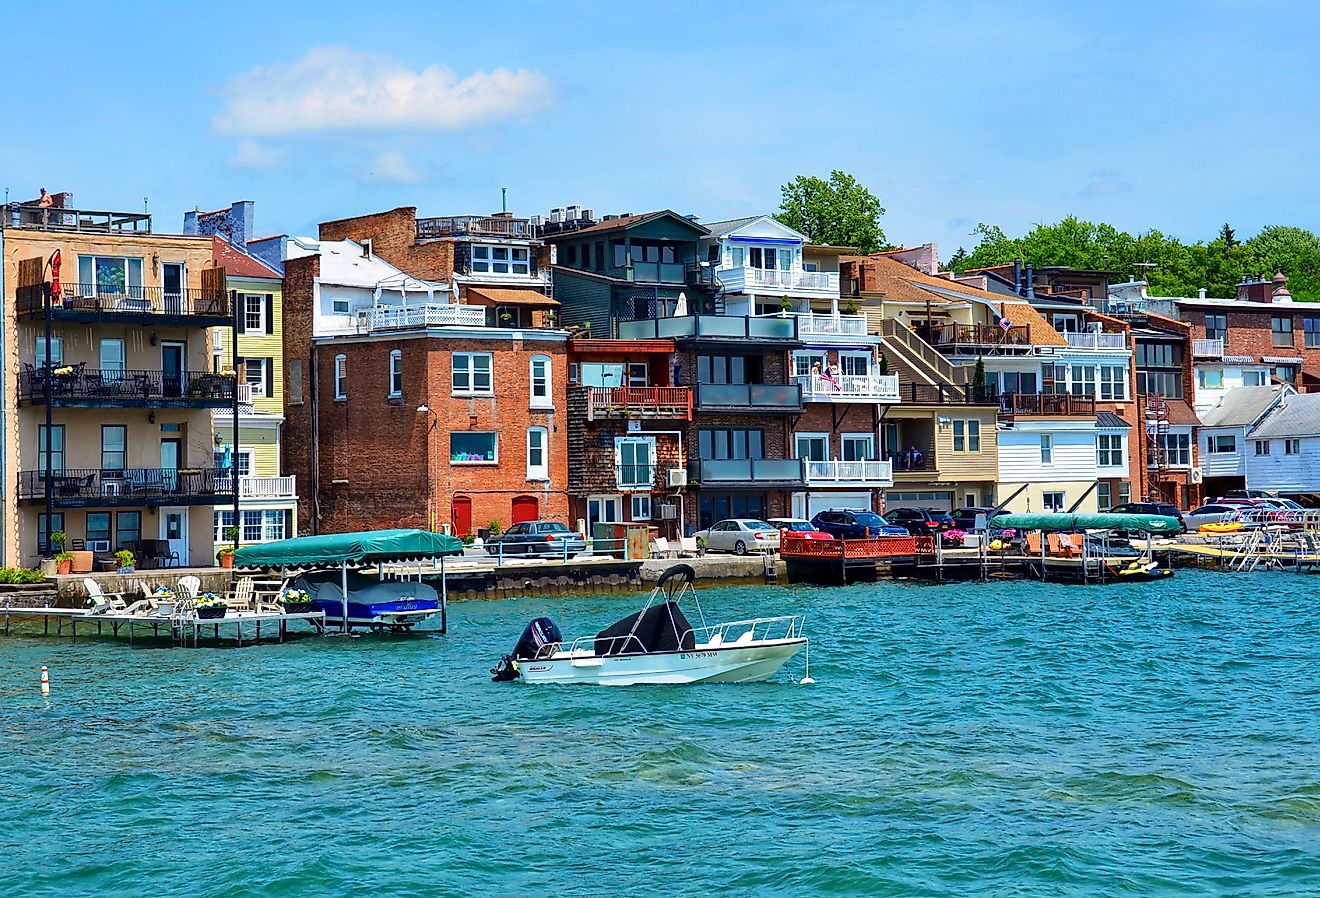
x,y
48,388
316,441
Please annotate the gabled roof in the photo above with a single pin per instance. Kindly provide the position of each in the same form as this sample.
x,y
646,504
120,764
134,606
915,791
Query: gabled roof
x,y
236,263
1242,407
1297,415
723,228
1181,413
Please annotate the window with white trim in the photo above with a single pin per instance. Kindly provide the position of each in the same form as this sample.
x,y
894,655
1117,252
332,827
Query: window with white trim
x,y
255,378
1253,377
500,259
635,461
341,377
803,362
540,382
1262,447
1177,449
1210,378
471,373
857,364
254,313
473,447
641,506
966,436
1046,449
1113,383
1292,447
538,463
1109,450
1221,443
1053,501
396,372
813,446
857,446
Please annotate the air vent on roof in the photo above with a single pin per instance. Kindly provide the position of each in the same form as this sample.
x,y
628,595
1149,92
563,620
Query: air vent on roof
x,y
572,213
588,215
537,221
611,218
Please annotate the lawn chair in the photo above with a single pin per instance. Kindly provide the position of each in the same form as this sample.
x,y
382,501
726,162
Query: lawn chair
x,y
191,584
266,594
103,602
660,548
689,544
240,599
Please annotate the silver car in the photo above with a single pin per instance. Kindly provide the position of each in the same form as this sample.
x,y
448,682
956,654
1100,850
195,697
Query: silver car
x,y
739,536
1212,513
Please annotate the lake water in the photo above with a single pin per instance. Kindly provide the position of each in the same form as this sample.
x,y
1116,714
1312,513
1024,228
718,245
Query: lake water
x,y
1007,738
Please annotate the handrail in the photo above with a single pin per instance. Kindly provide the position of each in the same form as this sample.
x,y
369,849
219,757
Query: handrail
x,y
125,384
924,352
102,299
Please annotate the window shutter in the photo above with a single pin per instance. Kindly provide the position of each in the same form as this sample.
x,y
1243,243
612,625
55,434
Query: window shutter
x,y
270,376
270,313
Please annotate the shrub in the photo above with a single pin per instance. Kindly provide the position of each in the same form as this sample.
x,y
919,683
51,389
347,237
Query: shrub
x,y
21,575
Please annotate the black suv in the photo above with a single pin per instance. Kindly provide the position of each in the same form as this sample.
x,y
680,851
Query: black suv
x,y
921,521
1159,508
844,523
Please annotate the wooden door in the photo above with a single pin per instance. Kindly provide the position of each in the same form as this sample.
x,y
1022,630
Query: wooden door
x,y
461,516
525,508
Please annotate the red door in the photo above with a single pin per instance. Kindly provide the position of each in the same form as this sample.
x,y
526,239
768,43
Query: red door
x,y
525,508
461,516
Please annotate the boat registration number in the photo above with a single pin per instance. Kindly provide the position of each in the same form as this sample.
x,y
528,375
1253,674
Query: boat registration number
x,y
691,656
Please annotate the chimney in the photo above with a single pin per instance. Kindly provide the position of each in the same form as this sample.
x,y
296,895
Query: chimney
x,y
1258,290
1200,294
1280,282
1017,277
1031,281
190,222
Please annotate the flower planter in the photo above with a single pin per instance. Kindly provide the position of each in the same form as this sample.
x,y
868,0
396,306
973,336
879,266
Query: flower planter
x,y
64,565
211,613
298,607
126,569
226,560
165,607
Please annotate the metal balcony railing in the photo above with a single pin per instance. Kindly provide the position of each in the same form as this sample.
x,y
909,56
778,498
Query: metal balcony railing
x,y
837,387
947,394
474,226
126,486
637,477
78,384
52,218
109,301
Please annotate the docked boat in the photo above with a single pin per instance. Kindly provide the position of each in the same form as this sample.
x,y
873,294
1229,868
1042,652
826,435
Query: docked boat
x,y
657,645
1091,548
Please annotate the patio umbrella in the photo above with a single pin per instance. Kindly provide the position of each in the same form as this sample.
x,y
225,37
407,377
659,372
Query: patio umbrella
x,y
680,307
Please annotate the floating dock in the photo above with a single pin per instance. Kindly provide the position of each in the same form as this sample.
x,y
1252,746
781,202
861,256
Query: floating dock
x,y
182,631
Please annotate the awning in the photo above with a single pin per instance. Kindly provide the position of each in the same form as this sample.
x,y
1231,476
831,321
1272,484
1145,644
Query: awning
x,y
334,549
1140,523
511,296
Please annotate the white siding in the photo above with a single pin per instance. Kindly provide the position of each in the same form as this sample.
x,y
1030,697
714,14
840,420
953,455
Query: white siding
x,y
1222,464
1205,399
1279,472
1073,453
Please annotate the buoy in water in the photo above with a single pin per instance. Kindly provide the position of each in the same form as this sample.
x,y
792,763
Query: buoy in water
x,y
45,681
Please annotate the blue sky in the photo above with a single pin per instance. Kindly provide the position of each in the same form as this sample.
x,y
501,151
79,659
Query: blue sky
x,y
1177,116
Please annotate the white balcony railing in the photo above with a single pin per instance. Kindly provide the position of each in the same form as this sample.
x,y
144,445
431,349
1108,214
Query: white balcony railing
x,y
825,324
1093,340
256,487
844,387
833,471
1208,349
746,279
439,315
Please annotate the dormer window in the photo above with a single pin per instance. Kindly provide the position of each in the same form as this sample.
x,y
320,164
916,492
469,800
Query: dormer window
x,y
500,260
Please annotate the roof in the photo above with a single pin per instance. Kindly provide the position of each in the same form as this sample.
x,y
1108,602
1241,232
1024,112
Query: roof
x,y
345,263
1109,419
720,228
512,296
1241,406
624,222
1181,413
334,549
1298,415
237,263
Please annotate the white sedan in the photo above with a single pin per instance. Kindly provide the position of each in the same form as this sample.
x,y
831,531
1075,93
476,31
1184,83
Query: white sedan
x,y
739,536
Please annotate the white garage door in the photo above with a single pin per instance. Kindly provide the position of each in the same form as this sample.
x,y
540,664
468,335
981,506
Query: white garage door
x,y
940,501
806,505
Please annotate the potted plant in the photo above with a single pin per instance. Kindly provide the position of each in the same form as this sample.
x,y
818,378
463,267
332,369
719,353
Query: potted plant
x,y
225,556
785,306
701,545
57,540
164,598
494,527
63,562
211,607
296,601
126,561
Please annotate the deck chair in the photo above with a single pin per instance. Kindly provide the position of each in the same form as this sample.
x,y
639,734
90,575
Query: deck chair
x,y
660,548
192,584
266,594
240,599
1033,543
103,602
1070,545
689,544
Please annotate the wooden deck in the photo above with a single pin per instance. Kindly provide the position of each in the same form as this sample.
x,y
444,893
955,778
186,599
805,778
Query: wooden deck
x,y
182,631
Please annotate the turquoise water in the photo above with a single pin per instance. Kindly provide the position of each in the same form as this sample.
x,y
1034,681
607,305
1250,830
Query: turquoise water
x,y
1003,739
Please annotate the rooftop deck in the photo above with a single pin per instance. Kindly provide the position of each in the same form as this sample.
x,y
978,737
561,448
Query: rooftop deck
x,y
29,216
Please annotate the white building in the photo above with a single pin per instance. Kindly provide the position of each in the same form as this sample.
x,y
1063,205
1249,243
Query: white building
x,y
1223,435
1283,450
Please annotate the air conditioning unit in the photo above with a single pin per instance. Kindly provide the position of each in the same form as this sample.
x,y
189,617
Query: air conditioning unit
x,y
1196,475
536,221
98,545
572,213
677,478
556,216
668,511
588,215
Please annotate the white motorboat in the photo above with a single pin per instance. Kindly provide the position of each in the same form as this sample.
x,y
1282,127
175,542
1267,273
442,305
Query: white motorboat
x,y
657,645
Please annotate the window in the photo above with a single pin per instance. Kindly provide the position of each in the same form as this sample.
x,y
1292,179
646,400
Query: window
x,y
396,372
254,313
255,376
538,465
1292,447
1225,442
1281,330
129,527
1018,381
473,447
1082,380
1311,332
1109,450
973,436
760,257
223,521
724,443
602,374
600,255
857,447
272,524
813,446
1286,373
44,530
1159,355
1216,327
1176,449
1262,447
52,441
855,363
1104,496
1168,384
110,276
1046,449
1053,501
341,377
570,256
340,306
966,436
804,361
1253,378
1124,492
98,527
56,352
635,459
639,375
500,260
224,459
729,369
641,506
1113,383
114,447
112,356
471,373
540,381
1210,378
252,529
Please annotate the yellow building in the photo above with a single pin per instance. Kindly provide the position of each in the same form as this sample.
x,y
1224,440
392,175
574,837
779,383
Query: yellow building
x,y
108,386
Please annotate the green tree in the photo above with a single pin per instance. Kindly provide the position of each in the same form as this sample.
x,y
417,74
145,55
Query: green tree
x,y
1228,236
957,262
1294,251
839,212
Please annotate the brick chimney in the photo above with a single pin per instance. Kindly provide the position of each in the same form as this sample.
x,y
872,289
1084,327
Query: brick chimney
x,y
1258,290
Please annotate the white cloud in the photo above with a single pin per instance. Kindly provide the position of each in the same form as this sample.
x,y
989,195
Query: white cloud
x,y
251,154
392,167
339,88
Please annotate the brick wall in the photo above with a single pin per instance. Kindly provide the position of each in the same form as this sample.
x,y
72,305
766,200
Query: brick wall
x,y
1249,333
393,238
296,435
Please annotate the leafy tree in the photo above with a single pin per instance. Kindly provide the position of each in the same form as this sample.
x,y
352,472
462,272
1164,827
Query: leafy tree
x,y
1294,251
957,262
840,211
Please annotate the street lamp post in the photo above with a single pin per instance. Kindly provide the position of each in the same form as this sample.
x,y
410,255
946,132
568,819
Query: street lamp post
x,y
433,419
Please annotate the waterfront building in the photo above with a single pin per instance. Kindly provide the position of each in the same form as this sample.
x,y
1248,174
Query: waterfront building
x,y
1283,457
268,498
1223,435
109,386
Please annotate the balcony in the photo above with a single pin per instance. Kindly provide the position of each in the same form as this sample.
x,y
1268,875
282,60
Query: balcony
x,y
658,273
34,217
99,388
634,477
748,472
93,303
823,325
749,397
413,317
258,487
1094,340
670,403
1208,349
772,330
833,472
780,282
1029,405
496,226
849,387
953,338
946,394
1138,310
93,487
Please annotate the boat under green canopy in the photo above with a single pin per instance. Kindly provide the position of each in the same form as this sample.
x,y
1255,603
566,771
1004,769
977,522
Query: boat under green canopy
x,y
336,549
1136,523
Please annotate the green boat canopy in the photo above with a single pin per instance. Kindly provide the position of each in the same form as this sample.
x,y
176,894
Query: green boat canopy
x,y
1140,523
335,549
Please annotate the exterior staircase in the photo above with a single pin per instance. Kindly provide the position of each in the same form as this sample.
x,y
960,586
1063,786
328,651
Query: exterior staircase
x,y
916,361
708,288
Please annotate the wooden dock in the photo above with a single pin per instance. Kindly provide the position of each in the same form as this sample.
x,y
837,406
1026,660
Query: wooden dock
x,y
183,631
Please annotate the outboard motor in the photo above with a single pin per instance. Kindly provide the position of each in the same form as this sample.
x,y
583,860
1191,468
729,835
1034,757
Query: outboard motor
x,y
538,634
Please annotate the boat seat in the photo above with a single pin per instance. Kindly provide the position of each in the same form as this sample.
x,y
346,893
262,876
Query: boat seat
x,y
745,638
716,640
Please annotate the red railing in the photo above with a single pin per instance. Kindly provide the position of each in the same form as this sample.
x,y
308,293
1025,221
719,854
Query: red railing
x,y
792,546
646,402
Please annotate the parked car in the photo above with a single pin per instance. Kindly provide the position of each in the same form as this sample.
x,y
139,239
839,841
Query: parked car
x,y
799,527
1247,494
1159,508
1212,513
854,523
921,521
739,536
965,518
550,538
